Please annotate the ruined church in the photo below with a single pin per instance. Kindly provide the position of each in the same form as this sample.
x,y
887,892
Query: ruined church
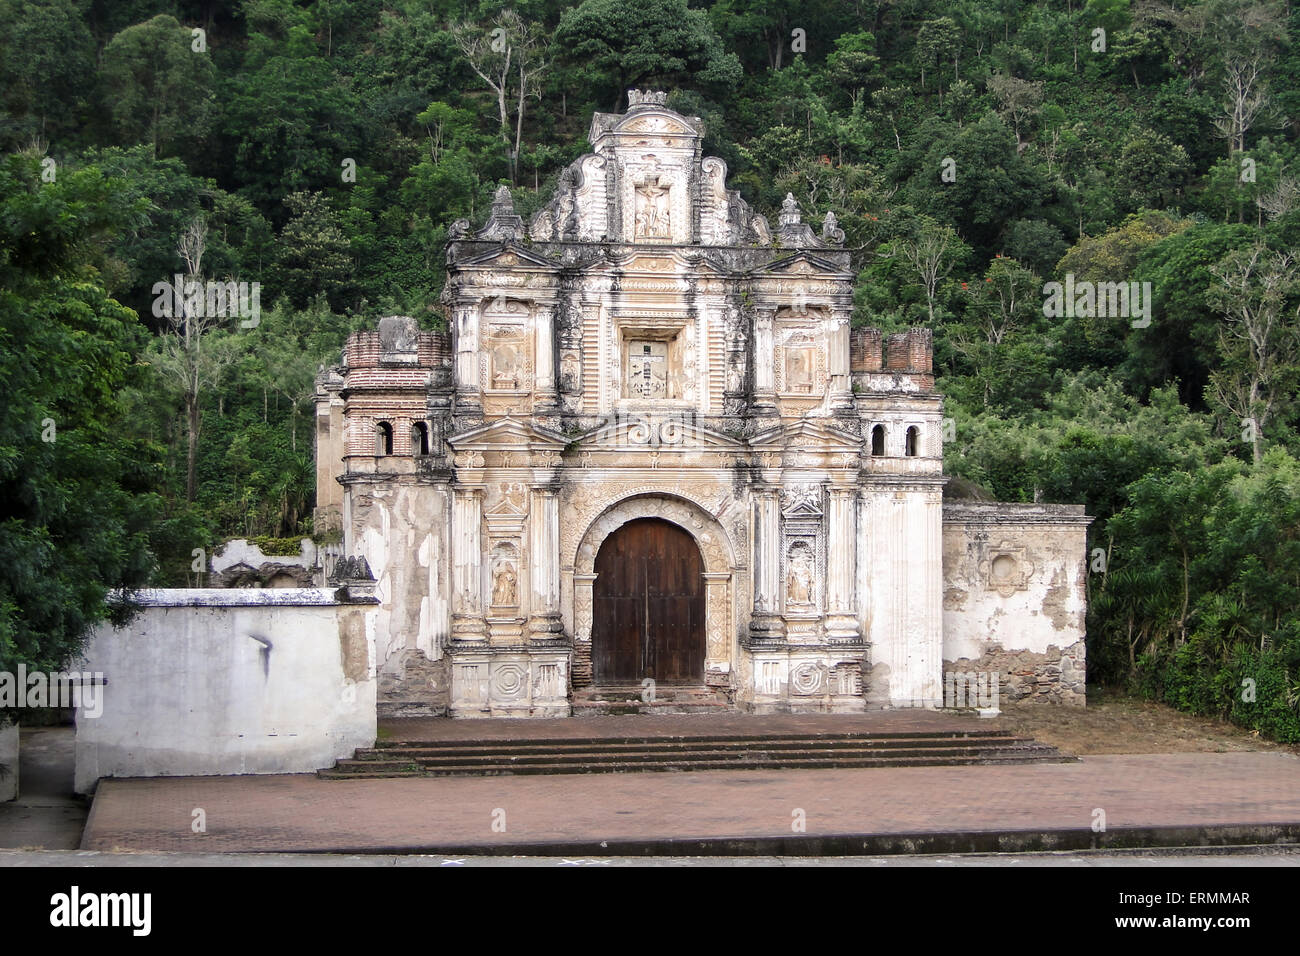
x,y
650,458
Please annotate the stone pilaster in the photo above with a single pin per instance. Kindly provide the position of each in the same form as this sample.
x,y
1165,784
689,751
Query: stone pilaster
x,y
583,596
841,620
837,340
718,635
764,362
467,347
766,623
467,566
544,565
544,349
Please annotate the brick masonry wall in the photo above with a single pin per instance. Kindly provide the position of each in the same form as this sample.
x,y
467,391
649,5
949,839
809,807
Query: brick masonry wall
x,y
411,685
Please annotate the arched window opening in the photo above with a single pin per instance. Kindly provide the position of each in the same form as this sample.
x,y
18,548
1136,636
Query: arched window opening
x,y
383,439
878,440
419,438
913,441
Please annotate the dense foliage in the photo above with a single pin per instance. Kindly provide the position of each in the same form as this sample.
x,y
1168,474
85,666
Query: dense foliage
x,y
972,150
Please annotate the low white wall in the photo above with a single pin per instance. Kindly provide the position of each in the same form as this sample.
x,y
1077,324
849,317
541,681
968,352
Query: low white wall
x,y
218,681
8,763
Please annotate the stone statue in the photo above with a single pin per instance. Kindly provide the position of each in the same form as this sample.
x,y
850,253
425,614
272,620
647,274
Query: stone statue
x,y
831,231
505,366
799,372
799,579
503,585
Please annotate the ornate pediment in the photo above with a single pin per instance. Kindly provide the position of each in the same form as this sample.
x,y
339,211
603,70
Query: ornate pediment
x,y
800,264
659,123
807,436
507,256
507,434
802,501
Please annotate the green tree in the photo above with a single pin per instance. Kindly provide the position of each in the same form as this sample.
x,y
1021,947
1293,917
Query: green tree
x,y
160,89
625,43
315,256
47,57
74,483
937,42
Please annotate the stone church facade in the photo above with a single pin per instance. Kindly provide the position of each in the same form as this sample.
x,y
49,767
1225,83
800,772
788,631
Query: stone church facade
x,y
650,448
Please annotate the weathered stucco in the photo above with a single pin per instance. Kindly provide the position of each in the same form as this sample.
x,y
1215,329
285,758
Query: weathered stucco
x,y
1015,596
400,527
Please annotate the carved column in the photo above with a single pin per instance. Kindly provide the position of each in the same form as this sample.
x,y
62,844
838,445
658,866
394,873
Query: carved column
x,y
764,361
544,565
841,387
717,616
583,596
766,623
543,315
841,621
467,383
467,565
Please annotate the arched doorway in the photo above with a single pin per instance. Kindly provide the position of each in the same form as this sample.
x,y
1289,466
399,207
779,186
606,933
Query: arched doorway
x,y
648,606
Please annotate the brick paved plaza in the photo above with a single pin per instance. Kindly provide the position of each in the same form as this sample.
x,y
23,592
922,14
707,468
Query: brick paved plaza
x,y
304,813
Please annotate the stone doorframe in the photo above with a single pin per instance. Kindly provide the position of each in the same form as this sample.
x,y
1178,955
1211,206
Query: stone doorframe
x,y
720,579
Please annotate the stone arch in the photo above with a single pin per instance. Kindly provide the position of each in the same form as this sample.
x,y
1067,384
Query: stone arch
x,y
709,535
720,604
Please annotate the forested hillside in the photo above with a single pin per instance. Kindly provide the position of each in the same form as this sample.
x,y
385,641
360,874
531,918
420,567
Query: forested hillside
x,y
973,151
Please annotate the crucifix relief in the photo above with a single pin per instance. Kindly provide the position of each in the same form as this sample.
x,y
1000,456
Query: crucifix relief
x,y
647,369
653,219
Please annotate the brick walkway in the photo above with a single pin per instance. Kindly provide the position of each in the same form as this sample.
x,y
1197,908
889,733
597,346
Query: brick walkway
x,y
302,812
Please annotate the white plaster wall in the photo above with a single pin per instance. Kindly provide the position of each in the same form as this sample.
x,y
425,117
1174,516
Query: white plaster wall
x,y
190,691
9,761
1051,606
902,541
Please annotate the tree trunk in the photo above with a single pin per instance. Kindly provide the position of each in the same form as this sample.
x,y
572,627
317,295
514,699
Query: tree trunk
x,y
191,452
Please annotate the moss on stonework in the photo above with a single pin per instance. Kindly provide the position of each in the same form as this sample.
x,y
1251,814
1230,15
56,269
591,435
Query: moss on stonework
x,y
279,547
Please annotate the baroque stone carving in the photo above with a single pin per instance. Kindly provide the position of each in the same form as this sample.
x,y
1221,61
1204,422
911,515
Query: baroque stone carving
x,y
351,569
799,576
809,678
653,212
509,680
505,575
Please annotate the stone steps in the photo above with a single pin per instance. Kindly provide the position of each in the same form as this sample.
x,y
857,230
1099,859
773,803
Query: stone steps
x,y
718,752
605,701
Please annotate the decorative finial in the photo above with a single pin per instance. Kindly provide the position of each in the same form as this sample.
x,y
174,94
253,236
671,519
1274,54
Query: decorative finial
x,y
831,231
645,98
790,215
504,223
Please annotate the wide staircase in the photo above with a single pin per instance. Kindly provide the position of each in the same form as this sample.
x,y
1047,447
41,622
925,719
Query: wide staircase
x,y
720,751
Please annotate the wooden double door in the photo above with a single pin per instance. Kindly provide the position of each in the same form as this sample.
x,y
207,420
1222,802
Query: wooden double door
x,y
648,606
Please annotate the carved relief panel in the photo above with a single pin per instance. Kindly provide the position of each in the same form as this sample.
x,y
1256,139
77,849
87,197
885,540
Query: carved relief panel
x,y
654,202
506,360
803,550
647,369
801,354
653,218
